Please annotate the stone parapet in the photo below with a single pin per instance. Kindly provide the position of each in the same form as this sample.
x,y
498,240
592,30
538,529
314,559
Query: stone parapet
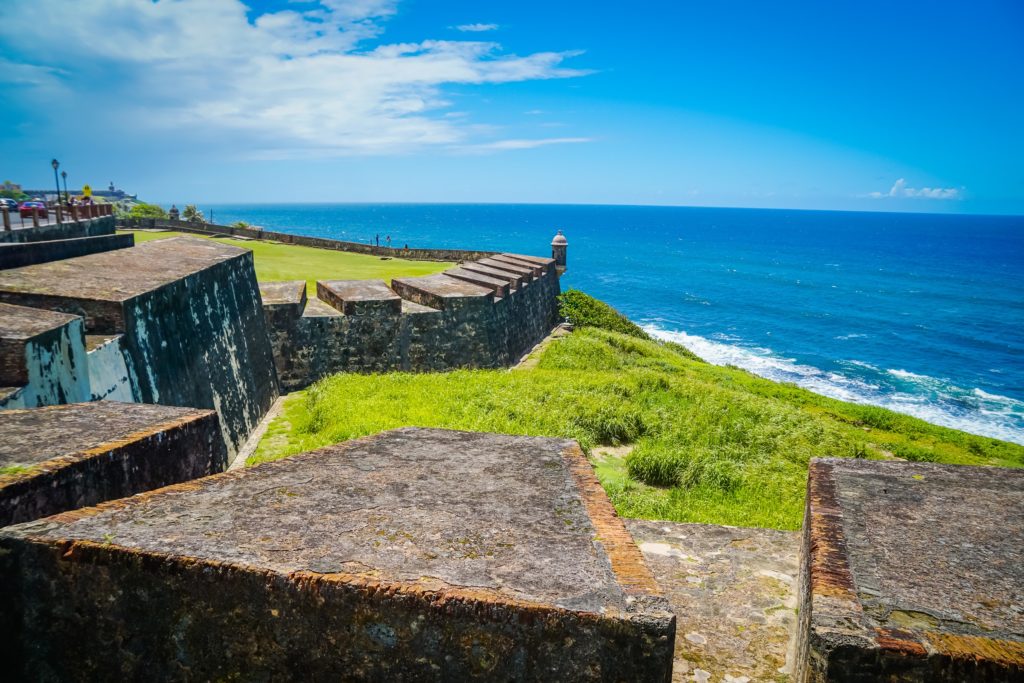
x,y
912,572
473,316
359,297
66,457
413,555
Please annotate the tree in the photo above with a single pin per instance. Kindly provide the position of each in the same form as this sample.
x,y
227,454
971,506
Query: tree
x,y
192,214
240,224
144,210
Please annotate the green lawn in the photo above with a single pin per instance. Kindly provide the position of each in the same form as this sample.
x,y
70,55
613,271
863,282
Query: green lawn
x,y
275,261
712,444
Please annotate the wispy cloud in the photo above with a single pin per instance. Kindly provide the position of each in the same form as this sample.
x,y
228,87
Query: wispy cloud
x,y
476,28
900,189
521,143
283,84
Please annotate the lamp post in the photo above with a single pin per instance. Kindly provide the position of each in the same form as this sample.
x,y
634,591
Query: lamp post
x,y
56,180
64,176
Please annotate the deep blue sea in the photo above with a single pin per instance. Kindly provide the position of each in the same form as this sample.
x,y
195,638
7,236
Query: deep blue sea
x,y
921,313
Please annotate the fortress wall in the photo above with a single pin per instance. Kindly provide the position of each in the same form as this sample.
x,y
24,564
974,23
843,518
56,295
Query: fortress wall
x,y
306,241
177,322
42,355
201,341
90,227
19,254
469,332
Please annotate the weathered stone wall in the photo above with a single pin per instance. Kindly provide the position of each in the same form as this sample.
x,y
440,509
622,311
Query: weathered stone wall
x,y
306,241
468,332
90,227
19,254
193,331
67,457
42,358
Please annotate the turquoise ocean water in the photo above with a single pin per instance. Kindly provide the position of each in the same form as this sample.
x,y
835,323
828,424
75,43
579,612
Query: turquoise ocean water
x,y
920,313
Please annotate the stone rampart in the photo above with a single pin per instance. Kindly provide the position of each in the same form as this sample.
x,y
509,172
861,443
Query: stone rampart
x,y
414,555
306,241
457,319
188,316
20,254
86,227
66,457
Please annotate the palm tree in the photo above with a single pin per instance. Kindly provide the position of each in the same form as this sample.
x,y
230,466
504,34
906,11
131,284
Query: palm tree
x,y
192,214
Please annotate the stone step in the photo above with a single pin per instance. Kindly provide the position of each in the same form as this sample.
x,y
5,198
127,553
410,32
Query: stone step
x,y
544,261
515,280
415,554
65,457
525,271
500,286
536,269
442,292
359,297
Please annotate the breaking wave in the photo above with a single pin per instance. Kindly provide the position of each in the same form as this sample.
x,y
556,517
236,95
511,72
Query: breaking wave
x,y
929,398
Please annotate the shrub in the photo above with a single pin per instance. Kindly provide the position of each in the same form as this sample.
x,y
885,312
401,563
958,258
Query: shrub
x,y
583,310
144,210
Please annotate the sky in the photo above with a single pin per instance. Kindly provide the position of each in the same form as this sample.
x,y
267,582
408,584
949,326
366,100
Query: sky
x,y
877,106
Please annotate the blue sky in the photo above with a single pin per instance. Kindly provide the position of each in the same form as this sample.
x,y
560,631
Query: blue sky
x,y
849,105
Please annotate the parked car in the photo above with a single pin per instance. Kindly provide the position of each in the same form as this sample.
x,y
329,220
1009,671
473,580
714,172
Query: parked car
x,y
8,204
27,208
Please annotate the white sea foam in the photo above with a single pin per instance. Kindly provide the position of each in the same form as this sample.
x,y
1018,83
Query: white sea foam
x,y
929,398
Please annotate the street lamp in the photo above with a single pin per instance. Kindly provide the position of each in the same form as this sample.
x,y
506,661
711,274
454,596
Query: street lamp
x,y
56,180
64,175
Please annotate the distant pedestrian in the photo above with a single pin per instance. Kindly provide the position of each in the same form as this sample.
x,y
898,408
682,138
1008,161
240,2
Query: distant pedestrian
x,y
388,240
378,239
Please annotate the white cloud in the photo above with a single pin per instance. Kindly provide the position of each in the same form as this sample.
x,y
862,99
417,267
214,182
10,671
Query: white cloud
x,y
476,28
291,83
900,189
521,143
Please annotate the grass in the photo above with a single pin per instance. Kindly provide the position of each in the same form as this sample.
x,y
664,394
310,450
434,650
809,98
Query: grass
x,y
712,444
276,261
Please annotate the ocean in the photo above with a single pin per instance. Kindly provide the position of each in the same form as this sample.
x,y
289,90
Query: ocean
x,y
920,313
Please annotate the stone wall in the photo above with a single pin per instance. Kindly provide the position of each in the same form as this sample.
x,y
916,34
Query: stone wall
x,y
192,331
306,241
90,227
20,254
67,457
42,358
437,322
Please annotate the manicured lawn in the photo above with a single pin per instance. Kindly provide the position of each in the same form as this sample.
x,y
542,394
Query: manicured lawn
x,y
276,261
711,444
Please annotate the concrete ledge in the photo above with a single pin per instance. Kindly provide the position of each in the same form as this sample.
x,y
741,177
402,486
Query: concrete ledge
x,y
500,286
65,457
355,297
414,555
442,292
20,254
912,571
19,326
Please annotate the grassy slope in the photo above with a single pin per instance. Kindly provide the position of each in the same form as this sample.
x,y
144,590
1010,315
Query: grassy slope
x,y
713,444
276,261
